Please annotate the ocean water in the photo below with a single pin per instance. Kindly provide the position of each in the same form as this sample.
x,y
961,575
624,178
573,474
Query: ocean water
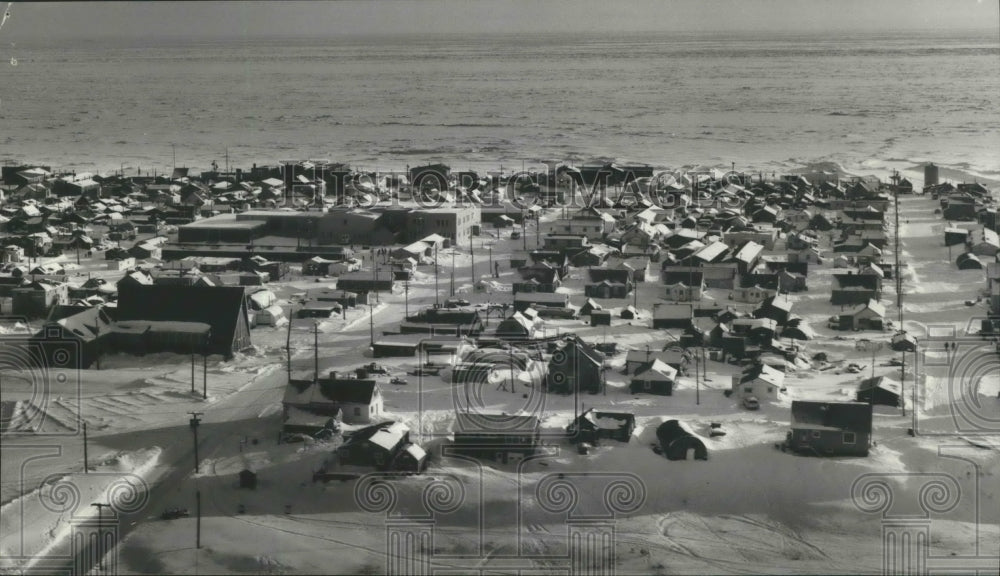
x,y
762,101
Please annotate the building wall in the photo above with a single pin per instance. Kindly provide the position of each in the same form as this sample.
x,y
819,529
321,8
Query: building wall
x,y
757,388
828,442
36,303
454,223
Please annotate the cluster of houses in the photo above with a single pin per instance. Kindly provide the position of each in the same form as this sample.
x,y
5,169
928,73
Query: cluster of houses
x,y
197,281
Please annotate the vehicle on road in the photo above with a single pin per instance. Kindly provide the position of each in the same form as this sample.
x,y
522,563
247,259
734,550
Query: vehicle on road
x,y
172,513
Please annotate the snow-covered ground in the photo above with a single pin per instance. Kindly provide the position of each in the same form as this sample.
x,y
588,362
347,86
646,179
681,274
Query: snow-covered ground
x,y
749,508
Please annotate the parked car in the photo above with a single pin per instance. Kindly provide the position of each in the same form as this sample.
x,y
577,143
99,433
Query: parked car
x,y
751,403
456,303
374,368
398,381
172,513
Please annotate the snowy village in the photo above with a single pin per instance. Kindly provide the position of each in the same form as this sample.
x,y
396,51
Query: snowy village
x,y
308,367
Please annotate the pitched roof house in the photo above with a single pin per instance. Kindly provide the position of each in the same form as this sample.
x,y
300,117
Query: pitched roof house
x,y
223,308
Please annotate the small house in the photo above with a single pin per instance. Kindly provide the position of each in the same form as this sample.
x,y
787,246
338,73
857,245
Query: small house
x,y
759,380
903,342
516,327
955,236
496,436
672,316
593,426
830,428
868,316
879,390
777,308
607,289
384,446
600,318
656,377
674,357
849,289
676,442
248,479
359,400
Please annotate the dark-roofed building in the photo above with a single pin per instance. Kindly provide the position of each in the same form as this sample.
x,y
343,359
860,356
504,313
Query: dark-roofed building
x,y
576,367
496,436
777,308
673,316
593,426
676,358
848,289
223,308
656,377
384,446
830,428
80,329
357,400
678,443
879,390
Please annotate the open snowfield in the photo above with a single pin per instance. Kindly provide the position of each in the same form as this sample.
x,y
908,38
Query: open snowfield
x,y
750,508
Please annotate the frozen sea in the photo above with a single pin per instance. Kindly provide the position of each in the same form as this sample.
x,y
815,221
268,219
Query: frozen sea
x,y
867,101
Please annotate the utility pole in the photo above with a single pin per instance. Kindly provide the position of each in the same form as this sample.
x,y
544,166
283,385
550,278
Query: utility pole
x,y
902,384
916,381
194,422
437,289
896,272
511,361
538,228
866,345
204,367
375,272
371,324
315,350
100,532
288,343
452,271
197,508
86,465
491,270
97,339
472,265
697,381
524,233
406,297
192,374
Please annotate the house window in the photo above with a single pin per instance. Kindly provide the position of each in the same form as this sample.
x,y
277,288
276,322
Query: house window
x,y
748,389
647,385
357,411
815,433
770,389
849,438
